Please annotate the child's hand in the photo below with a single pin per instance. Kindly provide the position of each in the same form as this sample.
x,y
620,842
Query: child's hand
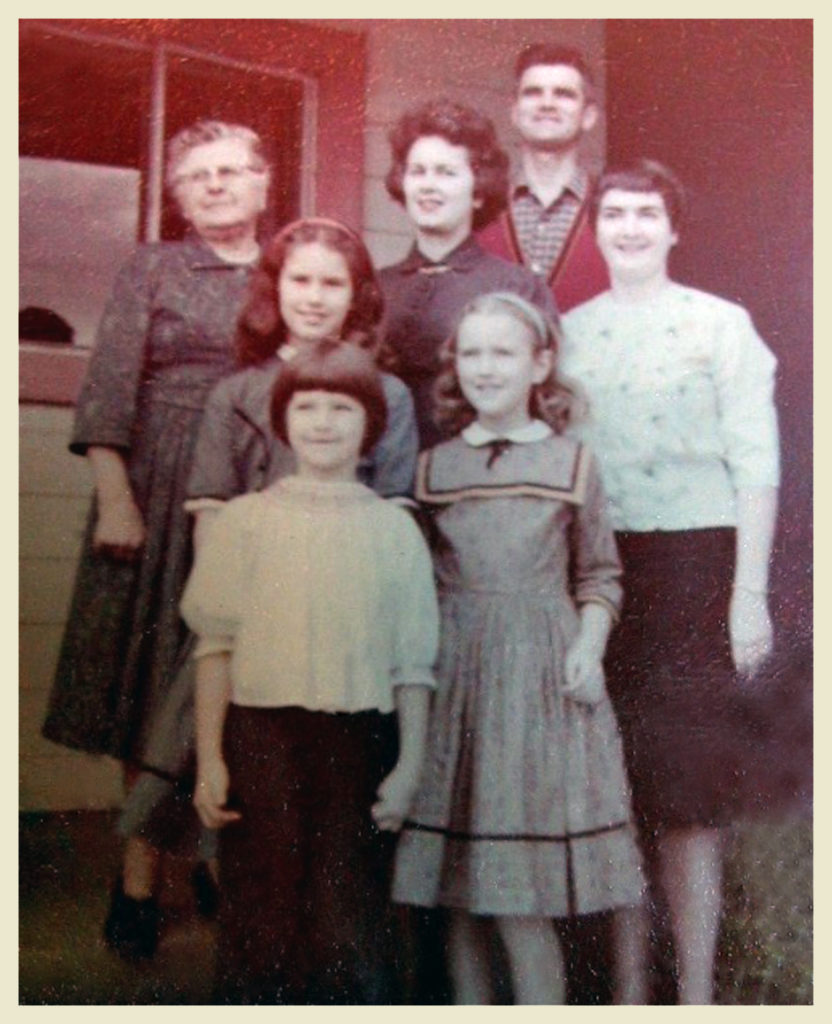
x,y
584,674
395,795
210,794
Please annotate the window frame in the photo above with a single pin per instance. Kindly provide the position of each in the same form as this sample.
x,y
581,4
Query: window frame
x,y
53,375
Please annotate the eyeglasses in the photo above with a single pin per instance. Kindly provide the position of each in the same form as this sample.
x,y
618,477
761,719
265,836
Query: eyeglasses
x,y
226,174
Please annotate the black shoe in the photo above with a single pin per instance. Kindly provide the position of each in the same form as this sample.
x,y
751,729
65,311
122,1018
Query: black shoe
x,y
132,926
206,891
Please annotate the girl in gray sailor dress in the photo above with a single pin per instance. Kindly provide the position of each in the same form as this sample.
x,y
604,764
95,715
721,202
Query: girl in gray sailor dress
x,y
523,811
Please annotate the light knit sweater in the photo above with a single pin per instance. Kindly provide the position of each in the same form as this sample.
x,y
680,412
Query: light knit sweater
x,y
682,413
322,592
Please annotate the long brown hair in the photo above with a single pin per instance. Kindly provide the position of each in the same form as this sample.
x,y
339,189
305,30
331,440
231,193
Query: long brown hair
x,y
260,327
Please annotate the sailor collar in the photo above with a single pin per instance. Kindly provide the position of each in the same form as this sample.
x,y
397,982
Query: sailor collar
x,y
557,468
477,435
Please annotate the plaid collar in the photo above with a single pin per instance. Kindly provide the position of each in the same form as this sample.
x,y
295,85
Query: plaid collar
x,y
578,185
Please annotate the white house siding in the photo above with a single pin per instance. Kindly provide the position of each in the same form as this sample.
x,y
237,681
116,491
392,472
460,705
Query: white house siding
x,y
466,60
54,497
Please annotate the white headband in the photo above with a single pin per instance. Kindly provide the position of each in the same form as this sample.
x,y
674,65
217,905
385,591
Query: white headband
x,y
526,308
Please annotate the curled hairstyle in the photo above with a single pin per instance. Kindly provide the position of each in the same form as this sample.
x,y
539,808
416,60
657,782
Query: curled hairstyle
x,y
340,369
460,126
260,327
556,401
535,54
642,176
202,132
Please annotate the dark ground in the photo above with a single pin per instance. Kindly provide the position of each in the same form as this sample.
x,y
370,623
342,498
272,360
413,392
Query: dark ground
x,y
68,861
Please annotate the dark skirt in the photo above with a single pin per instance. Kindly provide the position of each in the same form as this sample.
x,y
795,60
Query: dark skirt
x,y
124,638
690,725
305,874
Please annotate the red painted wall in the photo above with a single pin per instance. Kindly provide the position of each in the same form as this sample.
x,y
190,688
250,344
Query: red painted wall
x,y
728,105
336,59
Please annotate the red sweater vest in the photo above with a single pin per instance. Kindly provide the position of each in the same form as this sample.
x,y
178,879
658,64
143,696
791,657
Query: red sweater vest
x,y
579,273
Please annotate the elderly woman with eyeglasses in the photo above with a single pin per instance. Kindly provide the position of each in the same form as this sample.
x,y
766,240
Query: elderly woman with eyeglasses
x,y
165,339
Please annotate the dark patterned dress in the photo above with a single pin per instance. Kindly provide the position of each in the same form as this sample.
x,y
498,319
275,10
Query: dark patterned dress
x,y
164,341
523,807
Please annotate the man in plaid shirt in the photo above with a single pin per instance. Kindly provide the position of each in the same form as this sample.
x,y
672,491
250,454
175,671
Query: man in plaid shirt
x,y
545,225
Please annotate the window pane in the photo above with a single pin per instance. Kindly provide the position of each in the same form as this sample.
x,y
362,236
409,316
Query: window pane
x,y
82,100
273,107
78,224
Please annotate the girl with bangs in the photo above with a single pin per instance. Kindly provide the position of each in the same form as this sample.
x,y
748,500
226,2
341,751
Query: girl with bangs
x,y
314,282
315,610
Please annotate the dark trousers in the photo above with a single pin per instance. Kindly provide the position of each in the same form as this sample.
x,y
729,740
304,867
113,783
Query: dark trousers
x,y
306,916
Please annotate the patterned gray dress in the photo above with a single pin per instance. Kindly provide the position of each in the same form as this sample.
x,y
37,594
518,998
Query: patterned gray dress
x,y
164,341
523,808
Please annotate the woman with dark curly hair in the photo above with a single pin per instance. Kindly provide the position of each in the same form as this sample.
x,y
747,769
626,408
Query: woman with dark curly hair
x,y
451,176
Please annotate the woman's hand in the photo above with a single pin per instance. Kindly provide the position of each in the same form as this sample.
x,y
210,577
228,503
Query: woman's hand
x,y
395,795
749,622
211,793
119,530
750,630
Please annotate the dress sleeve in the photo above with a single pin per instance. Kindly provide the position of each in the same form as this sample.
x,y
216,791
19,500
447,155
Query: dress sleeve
x,y
213,474
213,599
392,463
744,375
596,567
416,629
106,410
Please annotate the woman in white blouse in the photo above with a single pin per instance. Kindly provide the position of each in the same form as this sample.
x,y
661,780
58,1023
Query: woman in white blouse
x,y
683,422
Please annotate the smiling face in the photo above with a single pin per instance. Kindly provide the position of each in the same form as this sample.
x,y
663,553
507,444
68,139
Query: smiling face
x,y
315,293
325,431
438,185
221,187
552,110
498,364
635,235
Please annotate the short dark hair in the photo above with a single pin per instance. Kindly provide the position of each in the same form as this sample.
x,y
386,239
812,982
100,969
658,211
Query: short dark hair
x,y
642,175
260,327
553,53
460,126
335,367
